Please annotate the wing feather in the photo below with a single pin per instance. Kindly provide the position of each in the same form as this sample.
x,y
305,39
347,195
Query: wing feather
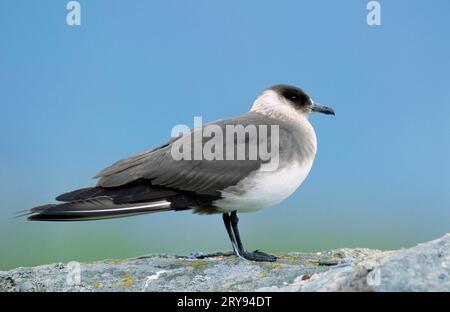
x,y
200,176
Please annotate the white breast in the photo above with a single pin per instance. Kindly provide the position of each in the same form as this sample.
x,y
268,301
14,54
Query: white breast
x,y
264,189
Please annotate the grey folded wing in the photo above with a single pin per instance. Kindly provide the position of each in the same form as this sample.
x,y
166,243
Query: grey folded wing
x,y
199,176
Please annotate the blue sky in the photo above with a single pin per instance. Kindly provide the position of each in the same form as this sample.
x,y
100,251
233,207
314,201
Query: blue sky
x,y
75,99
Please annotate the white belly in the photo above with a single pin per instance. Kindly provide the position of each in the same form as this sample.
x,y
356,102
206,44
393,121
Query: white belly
x,y
264,189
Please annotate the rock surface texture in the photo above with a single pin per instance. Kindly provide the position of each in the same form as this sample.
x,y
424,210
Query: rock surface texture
x,y
425,267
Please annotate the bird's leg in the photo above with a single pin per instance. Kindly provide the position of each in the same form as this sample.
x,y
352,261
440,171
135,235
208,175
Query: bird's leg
x,y
231,223
227,222
255,255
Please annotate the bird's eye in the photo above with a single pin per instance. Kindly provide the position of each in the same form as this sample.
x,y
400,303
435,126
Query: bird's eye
x,y
292,97
296,97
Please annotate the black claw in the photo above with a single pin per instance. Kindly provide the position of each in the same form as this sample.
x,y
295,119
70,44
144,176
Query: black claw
x,y
259,256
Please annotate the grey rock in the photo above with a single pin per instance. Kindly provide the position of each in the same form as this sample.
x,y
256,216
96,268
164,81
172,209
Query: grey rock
x,y
425,267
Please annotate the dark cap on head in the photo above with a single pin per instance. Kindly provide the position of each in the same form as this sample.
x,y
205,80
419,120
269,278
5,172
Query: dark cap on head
x,y
296,96
300,100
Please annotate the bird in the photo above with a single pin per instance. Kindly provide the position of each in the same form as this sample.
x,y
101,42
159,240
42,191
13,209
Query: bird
x,y
153,181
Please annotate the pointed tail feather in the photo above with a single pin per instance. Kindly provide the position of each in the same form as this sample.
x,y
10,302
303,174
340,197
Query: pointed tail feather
x,y
94,209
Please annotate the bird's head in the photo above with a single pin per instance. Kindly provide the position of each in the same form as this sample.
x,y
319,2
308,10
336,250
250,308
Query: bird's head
x,y
284,100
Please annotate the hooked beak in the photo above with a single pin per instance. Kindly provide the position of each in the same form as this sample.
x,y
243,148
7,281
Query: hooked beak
x,y
322,109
